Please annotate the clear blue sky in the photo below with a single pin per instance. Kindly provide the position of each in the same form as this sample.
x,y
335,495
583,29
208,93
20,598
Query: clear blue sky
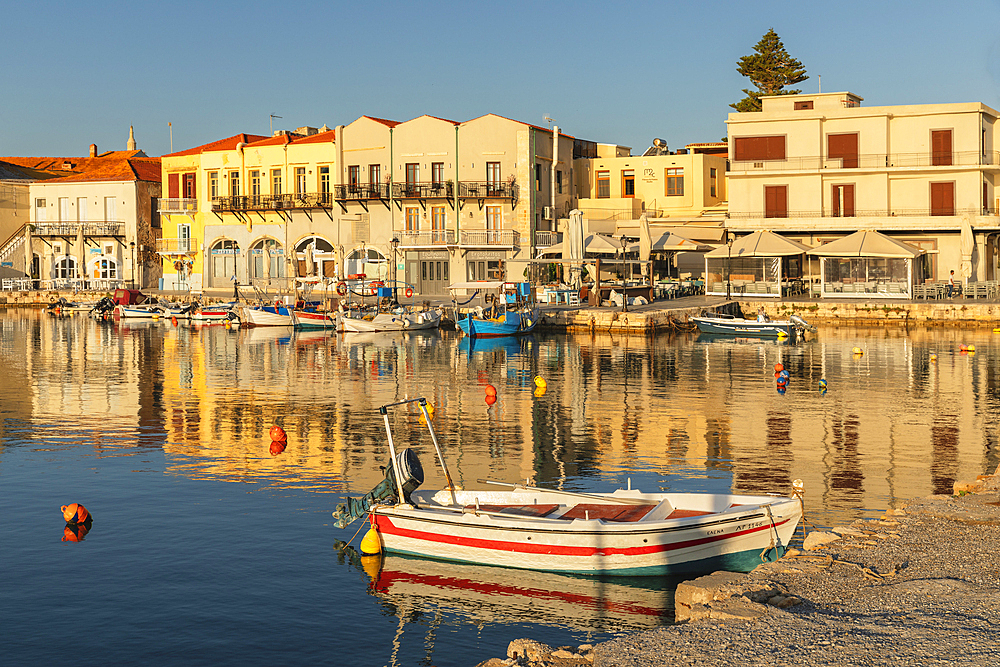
x,y
77,73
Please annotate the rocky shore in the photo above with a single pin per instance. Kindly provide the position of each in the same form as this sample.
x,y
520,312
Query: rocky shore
x,y
919,586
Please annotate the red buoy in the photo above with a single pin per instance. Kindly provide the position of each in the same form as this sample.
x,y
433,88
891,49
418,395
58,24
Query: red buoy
x,y
278,446
278,434
778,368
491,399
491,390
75,513
74,532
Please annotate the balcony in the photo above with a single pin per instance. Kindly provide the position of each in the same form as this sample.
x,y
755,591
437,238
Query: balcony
x,y
866,213
436,238
546,239
88,227
263,203
901,219
178,206
870,161
487,190
490,238
172,247
423,190
361,191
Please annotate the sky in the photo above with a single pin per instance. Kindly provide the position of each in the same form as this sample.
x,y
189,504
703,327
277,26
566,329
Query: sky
x,y
625,73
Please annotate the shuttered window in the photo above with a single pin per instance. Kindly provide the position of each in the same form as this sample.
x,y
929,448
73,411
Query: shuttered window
x,y
941,147
800,106
843,147
843,201
189,191
775,201
760,148
943,198
173,186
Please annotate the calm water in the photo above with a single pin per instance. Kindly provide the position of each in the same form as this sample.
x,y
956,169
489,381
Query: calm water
x,y
206,549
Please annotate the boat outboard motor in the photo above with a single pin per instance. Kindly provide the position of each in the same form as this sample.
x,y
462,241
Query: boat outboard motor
x,y
801,323
385,491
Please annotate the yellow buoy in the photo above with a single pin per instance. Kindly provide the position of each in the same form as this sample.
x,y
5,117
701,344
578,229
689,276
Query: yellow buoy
x,y
933,357
372,543
539,381
539,391
372,565
972,348
857,350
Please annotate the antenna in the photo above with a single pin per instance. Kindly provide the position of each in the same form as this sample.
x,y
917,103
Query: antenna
x,y
547,119
272,117
820,78
171,126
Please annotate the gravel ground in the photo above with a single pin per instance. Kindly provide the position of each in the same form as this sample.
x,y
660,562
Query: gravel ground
x,y
919,587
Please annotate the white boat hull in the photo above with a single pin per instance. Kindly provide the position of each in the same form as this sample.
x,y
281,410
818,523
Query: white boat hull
x,y
265,318
677,533
430,319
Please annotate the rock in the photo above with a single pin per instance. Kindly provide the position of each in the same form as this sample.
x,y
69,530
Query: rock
x,y
563,653
704,589
529,649
784,601
845,531
817,539
493,662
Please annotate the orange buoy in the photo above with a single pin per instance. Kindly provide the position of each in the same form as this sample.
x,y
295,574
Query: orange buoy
x,y
278,434
75,532
173,320
75,513
277,447
778,368
491,399
491,390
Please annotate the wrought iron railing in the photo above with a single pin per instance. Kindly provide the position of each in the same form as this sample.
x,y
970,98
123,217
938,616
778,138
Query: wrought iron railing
x,y
359,191
871,161
509,238
178,206
487,189
547,238
865,213
175,246
89,228
433,190
435,237
273,202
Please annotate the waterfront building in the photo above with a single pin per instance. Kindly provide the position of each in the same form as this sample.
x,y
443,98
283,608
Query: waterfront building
x,y
817,167
92,218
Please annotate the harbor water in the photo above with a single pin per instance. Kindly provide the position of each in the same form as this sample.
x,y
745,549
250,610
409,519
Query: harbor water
x,y
208,548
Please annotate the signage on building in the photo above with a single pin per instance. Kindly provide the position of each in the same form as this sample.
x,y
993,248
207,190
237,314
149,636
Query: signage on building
x,y
486,254
7,265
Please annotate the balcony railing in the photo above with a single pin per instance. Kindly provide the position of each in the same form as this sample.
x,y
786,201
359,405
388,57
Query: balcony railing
x,y
273,202
546,239
871,161
176,246
361,191
178,206
487,190
89,228
423,190
865,213
490,238
423,239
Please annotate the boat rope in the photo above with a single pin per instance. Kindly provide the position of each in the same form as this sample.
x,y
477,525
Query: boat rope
x,y
774,536
355,533
465,303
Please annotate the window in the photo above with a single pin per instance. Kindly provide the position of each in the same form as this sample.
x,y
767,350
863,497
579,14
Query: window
x,y
759,148
106,268
374,173
437,218
275,182
64,209
437,173
628,183
110,214
412,218
300,180
843,201
81,208
412,178
559,180
173,186
494,217
66,267
234,184
603,184
800,106
843,147
189,192
775,201
712,182
493,179
675,181
941,147
184,238
538,177
255,183
324,180
943,198
213,184
40,210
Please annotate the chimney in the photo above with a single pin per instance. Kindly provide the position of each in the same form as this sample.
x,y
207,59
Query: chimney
x,y
93,150
130,145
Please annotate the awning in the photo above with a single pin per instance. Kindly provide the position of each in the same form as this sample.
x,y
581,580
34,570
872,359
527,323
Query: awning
x,y
671,241
595,243
478,284
762,243
867,243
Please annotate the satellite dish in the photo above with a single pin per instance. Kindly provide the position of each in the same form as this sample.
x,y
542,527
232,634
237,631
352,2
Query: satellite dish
x,y
659,142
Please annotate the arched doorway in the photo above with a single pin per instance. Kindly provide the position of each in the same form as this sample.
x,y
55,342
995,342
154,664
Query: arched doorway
x,y
322,255
222,267
267,260
368,261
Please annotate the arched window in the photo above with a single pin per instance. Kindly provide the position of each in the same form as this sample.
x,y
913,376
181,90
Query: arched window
x,y
65,267
324,258
267,259
368,261
106,268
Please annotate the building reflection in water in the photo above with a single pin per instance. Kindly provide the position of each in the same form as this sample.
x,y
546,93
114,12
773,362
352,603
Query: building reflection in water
x,y
671,412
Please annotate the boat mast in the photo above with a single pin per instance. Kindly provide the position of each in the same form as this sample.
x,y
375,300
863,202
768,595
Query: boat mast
x,y
437,448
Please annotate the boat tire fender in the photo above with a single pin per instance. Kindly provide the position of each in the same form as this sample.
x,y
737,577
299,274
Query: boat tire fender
x,y
408,292
342,288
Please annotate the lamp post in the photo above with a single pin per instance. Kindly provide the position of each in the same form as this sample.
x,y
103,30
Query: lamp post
x,y
624,242
395,269
131,246
729,269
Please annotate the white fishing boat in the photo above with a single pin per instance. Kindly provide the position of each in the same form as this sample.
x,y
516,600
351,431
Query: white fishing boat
x,y
145,311
392,321
266,316
626,532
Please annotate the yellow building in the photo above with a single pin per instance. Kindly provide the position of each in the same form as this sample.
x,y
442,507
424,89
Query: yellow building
x,y
816,167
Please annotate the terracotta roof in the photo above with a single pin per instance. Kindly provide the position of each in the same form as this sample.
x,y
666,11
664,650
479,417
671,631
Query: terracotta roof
x,y
227,144
444,120
318,138
116,169
113,165
387,123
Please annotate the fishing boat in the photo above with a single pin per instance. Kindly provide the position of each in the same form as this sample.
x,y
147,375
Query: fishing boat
x,y
214,313
509,309
391,321
720,323
310,318
626,532
143,311
266,315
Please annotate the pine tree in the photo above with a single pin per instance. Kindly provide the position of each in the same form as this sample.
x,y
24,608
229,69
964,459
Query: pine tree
x,y
770,69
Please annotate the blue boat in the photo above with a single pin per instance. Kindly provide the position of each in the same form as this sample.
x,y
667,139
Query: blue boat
x,y
509,310
728,325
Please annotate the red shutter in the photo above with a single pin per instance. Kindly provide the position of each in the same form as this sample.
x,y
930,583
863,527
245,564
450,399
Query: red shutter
x,y
941,147
845,147
189,187
759,148
943,198
775,201
173,186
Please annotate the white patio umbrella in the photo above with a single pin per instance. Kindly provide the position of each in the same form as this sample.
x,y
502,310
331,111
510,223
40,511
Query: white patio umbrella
x,y
29,255
310,263
968,246
81,252
645,244
267,264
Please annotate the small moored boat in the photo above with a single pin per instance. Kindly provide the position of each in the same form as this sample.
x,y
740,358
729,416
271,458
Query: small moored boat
x,y
626,532
719,323
510,309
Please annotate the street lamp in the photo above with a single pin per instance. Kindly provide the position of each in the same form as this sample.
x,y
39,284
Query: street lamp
x,y
395,268
729,269
624,242
131,245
